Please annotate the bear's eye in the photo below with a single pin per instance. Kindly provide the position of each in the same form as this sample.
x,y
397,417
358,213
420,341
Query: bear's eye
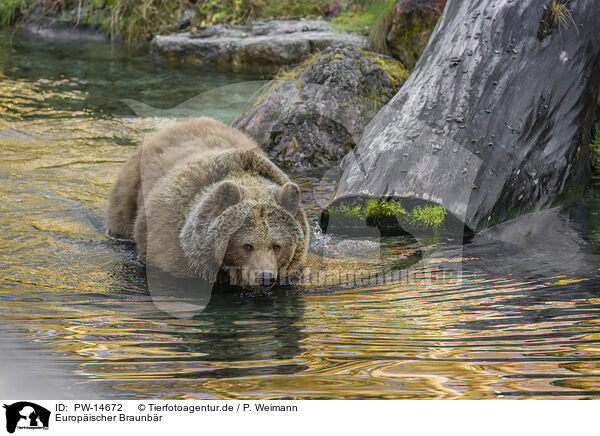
x,y
276,248
248,248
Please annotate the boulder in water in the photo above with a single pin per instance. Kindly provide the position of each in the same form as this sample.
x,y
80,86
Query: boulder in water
x,y
314,119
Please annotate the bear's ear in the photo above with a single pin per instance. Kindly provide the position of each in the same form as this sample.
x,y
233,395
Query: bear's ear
x,y
224,195
289,197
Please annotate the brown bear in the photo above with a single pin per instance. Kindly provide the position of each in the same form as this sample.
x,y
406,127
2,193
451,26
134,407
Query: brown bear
x,y
200,199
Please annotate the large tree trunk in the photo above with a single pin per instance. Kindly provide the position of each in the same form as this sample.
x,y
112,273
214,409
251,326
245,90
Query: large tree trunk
x,y
496,117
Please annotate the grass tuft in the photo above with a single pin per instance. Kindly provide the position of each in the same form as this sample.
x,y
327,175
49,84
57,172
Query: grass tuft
x,y
138,20
361,17
10,10
561,16
380,29
560,13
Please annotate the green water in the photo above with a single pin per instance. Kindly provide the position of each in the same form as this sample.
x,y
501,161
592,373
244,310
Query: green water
x,y
521,318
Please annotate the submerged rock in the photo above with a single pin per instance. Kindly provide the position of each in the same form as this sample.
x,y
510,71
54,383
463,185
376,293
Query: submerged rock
x,y
272,42
314,119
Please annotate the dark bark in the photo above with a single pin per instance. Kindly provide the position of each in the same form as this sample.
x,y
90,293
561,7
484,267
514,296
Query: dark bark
x,y
496,117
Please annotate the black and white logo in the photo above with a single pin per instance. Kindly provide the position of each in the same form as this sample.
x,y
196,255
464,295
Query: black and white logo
x,y
26,415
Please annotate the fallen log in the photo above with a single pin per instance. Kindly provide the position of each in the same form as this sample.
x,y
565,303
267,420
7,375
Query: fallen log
x,y
496,118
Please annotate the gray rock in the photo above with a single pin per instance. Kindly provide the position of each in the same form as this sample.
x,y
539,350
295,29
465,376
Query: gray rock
x,y
272,42
315,120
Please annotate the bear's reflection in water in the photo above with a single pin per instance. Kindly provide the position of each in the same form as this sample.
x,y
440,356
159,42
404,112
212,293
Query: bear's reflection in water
x,y
223,324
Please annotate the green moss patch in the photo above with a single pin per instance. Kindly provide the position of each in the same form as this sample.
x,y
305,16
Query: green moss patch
x,y
397,73
394,69
286,74
384,209
353,216
386,214
427,216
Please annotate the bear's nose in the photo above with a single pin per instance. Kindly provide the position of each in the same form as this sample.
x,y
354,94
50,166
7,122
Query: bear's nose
x,y
265,279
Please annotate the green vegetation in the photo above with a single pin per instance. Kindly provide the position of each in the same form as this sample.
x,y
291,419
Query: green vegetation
x,y
380,29
387,213
138,20
427,216
557,16
354,214
9,10
560,14
595,148
384,209
361,16
134,20
286,74
243,11
393,68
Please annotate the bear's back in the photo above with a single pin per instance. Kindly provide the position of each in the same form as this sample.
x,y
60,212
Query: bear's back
x,y
194,139
160,153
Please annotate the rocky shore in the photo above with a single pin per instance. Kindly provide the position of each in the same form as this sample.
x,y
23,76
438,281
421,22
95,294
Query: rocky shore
x,y
273,42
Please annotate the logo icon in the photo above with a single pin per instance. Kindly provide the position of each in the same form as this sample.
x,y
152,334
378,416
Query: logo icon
x,y
26,415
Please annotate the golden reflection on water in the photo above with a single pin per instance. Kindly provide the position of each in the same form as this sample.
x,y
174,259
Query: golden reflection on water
x,y
468,336
402,341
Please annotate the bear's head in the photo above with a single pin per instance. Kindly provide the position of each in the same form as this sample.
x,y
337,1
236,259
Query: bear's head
x,y
252,242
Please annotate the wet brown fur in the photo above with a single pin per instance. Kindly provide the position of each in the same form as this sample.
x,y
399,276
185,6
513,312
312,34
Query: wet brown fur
x,y
171,180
